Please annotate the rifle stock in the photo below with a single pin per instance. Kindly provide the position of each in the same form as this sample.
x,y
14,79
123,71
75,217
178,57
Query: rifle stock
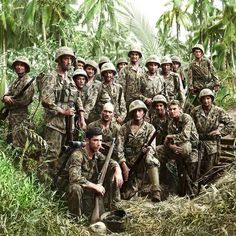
x,y
96,213
136,163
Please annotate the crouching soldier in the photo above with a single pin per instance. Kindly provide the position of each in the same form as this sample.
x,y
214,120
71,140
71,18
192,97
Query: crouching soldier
x,y
132,137
180,145
85,165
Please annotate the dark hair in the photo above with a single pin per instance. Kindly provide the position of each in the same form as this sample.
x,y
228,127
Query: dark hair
x,y
93,132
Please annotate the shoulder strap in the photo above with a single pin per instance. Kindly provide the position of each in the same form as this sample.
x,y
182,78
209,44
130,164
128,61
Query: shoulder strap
x,y
25,87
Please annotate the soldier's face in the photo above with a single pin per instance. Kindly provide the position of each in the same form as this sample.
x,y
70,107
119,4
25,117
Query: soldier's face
x,y
159,107
90,71
175,66
80,81
166,67
198,53
152,67
20,68
108,76
95,143
121,66
206,101
138,114
174,111
80,65
134,57
66,62
107,115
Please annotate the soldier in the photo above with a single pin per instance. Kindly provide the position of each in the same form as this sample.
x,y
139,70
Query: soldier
x,y
80,63
201,73
101,62
121,63
212,122
108,91
132,137
159,117
17,103
180,144
173,82
84,166
59,98
151,83
129,76
177,68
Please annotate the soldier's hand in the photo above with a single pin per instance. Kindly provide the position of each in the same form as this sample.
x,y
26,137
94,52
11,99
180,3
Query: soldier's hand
x,y
119,120
100,189
125,170
168,138
215,133
117,177
8,99
145,148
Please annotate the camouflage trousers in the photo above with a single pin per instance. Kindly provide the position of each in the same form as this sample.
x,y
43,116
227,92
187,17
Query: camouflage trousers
x,y
208,161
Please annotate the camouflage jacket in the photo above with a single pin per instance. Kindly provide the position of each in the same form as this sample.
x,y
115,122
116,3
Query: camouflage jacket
x,y
91,85
83,170
18,111
217,118
174,87
107,93
202,75
151,86
129,77
129,144
58,93
184,130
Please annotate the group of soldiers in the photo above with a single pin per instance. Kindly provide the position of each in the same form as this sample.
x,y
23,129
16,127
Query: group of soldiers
x,y
132,104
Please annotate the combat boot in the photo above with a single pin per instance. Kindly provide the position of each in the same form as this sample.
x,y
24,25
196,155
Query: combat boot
x,y
153,175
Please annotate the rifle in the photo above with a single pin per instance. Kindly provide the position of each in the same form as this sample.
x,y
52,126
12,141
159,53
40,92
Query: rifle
x,y
136,164
5,111
96,214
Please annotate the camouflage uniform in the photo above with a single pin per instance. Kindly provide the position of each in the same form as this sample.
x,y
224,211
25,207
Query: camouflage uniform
x,y
81,171
129,78
57,93
205,123
106,93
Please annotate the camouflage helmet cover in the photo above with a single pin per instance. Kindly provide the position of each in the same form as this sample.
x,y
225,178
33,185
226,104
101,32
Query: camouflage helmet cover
x,y
80,72
108,66
206,92
137,104
159,98
92,64
176,59
135,49
103,60
166,60
64,51
24,60
122,60
80,59
198,46
154,59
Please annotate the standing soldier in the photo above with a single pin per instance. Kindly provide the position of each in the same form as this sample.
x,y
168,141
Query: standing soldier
x,y
85,165
201,73
132,137
17,100
180,144
59,99
80,63
130,74
120,64
151,83
101,62
108,91
177,68
173,82
212,123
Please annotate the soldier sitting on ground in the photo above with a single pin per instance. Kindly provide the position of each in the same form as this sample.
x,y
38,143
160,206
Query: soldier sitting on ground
x,y
84,166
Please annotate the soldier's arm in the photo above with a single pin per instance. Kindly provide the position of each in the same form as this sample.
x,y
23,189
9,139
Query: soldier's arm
x,y
121,145
229,124
122,106
190,77
213,73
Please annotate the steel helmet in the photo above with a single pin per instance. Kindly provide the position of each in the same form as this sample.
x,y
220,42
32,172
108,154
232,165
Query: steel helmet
x,y
108,67
93,64
206,92
135,49
166,60
80,72
198,46
99,228
137,104
24,60
159,98
103,60
154,59
176,59
122,60
81,59
64,51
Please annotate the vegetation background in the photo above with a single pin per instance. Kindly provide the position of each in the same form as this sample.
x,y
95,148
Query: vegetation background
x,y
35,28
